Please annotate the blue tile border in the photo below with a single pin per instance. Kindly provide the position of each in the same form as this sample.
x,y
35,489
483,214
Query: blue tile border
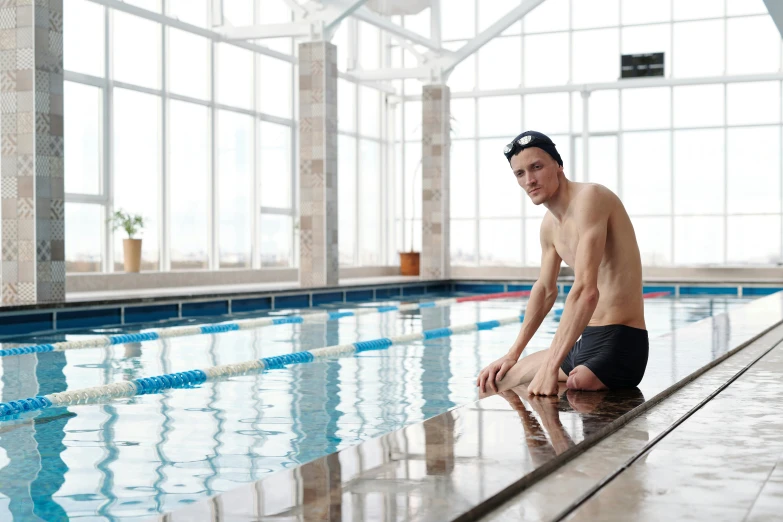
x,y
205,308
708,290
96,318
357,296
655,289
330,297
149,314
760,291
292,301
251,305
21,324
479,288
15,321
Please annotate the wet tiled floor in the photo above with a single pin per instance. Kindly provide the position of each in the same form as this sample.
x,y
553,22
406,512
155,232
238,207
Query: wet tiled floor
x,y
722,463
464,462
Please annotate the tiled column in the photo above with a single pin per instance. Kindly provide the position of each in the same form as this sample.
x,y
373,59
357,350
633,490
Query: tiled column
x,y
31,164
435,156
318,254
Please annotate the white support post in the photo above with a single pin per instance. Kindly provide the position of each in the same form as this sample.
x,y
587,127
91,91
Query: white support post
x,y
347,11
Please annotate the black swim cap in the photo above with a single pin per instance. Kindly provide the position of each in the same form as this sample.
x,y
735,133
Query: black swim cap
x,y
532,139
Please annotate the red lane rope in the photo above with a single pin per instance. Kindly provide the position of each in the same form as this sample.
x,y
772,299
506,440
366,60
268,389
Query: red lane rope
x,y
487,297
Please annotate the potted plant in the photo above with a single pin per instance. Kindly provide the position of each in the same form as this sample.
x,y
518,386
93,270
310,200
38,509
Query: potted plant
x,y
131,247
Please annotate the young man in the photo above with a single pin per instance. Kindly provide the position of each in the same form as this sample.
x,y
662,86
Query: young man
x,y
602,340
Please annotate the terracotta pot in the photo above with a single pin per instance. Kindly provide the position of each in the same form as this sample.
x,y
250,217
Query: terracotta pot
x,y
132,253
409,263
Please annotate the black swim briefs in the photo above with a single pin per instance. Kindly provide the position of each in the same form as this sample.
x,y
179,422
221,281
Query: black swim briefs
x,y
616,354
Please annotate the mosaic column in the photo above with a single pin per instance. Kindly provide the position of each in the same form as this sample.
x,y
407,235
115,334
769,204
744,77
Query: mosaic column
x,y
318,254
31,162
435,154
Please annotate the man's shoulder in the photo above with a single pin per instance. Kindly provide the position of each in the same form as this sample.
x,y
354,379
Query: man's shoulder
x,y
593,196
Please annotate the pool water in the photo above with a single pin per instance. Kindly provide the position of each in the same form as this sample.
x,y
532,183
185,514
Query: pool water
x,y
135,457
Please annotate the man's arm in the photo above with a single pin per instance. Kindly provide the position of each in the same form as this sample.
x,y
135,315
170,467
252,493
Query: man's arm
x,y
592,217
542,297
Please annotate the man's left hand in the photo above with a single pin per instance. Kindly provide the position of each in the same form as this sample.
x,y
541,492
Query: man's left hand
x,y
545,382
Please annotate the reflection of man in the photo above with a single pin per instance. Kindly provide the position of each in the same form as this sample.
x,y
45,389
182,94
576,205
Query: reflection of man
x,y
595,410
602,338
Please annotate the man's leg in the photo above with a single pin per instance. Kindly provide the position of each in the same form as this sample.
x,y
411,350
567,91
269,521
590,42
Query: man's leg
x,y
523,372
582,378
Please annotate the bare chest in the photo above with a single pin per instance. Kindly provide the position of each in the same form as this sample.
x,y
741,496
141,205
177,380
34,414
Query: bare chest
x,y
566,241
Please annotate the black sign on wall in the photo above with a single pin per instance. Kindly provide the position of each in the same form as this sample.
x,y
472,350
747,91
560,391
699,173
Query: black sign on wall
x,y
636,65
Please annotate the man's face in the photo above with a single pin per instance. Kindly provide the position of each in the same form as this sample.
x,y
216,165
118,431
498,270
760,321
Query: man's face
x,y
536,172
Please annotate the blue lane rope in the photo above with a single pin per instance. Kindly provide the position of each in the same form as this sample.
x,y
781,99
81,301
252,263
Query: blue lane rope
x,y
186,379
182,331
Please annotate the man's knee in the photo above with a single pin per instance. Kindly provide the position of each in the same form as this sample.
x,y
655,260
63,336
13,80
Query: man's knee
x,y
582,378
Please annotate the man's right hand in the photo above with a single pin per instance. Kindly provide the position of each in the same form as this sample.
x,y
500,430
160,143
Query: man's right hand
x,y
494,372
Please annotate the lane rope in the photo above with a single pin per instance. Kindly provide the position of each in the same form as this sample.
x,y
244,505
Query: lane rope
x,y
245,324
145,385
190,378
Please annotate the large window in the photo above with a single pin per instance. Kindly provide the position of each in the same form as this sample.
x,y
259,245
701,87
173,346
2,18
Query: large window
x,y
697,163
210,170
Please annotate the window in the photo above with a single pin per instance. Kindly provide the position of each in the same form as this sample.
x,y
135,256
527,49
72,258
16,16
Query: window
x,y
597,13
189,67
702,56
649,39
699,105
370,107
699,171
499,63
346,105
136,137
551,15
189,163
369,186
462,185
499,193
653,235
463,117
275,163
753,46
457,20
648,108
533,241
690,9
643,12
595,55
464,76
547,113
501,242
83,237
84,146
276,242
275,86
136,44
546,59
754,240
346,199
647,173
84,37
753,169
498,117
753,103
369,46
235,174
698,240
463,242
235,76
189,11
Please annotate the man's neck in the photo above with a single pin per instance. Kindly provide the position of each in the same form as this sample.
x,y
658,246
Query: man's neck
x,y
559,202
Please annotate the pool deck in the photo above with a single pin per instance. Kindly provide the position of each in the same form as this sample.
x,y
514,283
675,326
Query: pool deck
x,y
465,463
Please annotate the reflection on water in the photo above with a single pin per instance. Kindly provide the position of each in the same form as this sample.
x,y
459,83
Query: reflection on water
x,y
154,453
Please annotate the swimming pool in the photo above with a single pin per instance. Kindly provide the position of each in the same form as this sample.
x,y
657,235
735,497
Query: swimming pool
x,y
147,454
